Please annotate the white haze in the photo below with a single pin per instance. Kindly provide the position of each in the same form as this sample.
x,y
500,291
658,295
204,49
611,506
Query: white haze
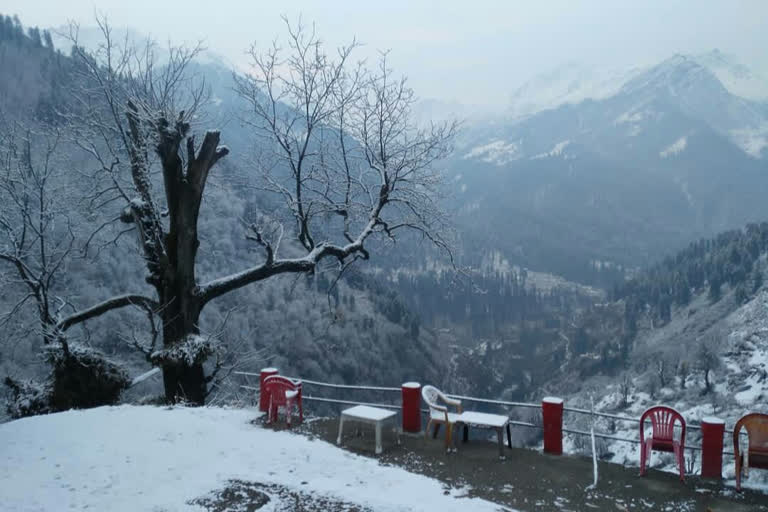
x,y
473,53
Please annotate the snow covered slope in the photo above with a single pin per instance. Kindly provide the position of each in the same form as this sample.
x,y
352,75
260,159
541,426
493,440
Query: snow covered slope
x,y
570,83
739,379
735,76
151,458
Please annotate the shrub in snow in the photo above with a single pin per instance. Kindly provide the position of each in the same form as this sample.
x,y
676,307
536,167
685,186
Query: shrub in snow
x,y
82,377
27,398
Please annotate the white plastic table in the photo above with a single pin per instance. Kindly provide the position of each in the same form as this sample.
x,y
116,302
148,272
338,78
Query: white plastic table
x,y
370,415
496,422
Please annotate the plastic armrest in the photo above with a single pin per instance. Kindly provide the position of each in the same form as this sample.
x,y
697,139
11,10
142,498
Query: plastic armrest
x,y
452,401
455,402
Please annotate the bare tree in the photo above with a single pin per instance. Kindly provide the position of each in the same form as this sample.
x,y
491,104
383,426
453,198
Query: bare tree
x,y
707,358
683,370
344,145
343,138
661,369
625,388
39,233
36,232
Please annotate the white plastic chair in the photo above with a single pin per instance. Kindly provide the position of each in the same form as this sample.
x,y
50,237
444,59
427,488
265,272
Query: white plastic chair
x,y
439,414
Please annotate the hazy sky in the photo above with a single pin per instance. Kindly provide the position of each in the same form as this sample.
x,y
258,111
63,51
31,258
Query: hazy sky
x,y
472,51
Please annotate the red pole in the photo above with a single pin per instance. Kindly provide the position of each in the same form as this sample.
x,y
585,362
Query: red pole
x,y
552,415
411,392
263,399
712,430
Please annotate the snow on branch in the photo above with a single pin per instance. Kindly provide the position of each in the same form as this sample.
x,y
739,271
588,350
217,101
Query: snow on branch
x,y
107,305
226,284
193,349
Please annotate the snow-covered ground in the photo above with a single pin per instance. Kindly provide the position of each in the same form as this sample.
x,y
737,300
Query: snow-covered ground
x,y
159,459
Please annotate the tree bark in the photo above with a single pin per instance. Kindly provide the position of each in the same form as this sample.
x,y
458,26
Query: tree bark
x,y
177,286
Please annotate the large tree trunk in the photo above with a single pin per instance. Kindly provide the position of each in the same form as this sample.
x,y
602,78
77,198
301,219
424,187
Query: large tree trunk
x,y
182,380
176,282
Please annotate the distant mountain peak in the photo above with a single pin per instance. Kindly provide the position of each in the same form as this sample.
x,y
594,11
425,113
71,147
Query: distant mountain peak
x,y
677,75
570,83
735,76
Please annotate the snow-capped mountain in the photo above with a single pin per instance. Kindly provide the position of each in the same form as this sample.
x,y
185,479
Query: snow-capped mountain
x,y
679,93
671,155
573,83
568,84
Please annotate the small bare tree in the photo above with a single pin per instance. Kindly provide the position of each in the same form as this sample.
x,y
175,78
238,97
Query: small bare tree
x,y
339,143
683,370
37,235
707,358
37,238
661,369
625,388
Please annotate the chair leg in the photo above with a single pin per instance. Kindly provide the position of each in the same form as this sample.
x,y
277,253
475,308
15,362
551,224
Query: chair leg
x,y
448,436
272,416
465,438
679,456
426,430
738,472
645,456
288,412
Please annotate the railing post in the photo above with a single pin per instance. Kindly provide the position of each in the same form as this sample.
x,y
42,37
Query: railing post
x,y
411,407
552,420
263,399
712,430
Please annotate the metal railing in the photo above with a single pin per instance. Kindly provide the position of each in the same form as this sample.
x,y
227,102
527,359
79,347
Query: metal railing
x,y
487,401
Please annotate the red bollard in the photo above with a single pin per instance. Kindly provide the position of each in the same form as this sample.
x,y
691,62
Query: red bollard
x,y
411,407
712,430
552,416
263,398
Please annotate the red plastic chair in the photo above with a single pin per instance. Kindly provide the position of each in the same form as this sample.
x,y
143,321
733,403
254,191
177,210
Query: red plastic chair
x,y
756,455
283,392
663,421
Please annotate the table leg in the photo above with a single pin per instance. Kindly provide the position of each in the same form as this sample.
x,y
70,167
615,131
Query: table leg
x,y
341,429
396,430
509,437
455,440
500,437
379,448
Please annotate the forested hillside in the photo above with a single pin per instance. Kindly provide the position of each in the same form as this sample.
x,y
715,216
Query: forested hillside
x,y
732,258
